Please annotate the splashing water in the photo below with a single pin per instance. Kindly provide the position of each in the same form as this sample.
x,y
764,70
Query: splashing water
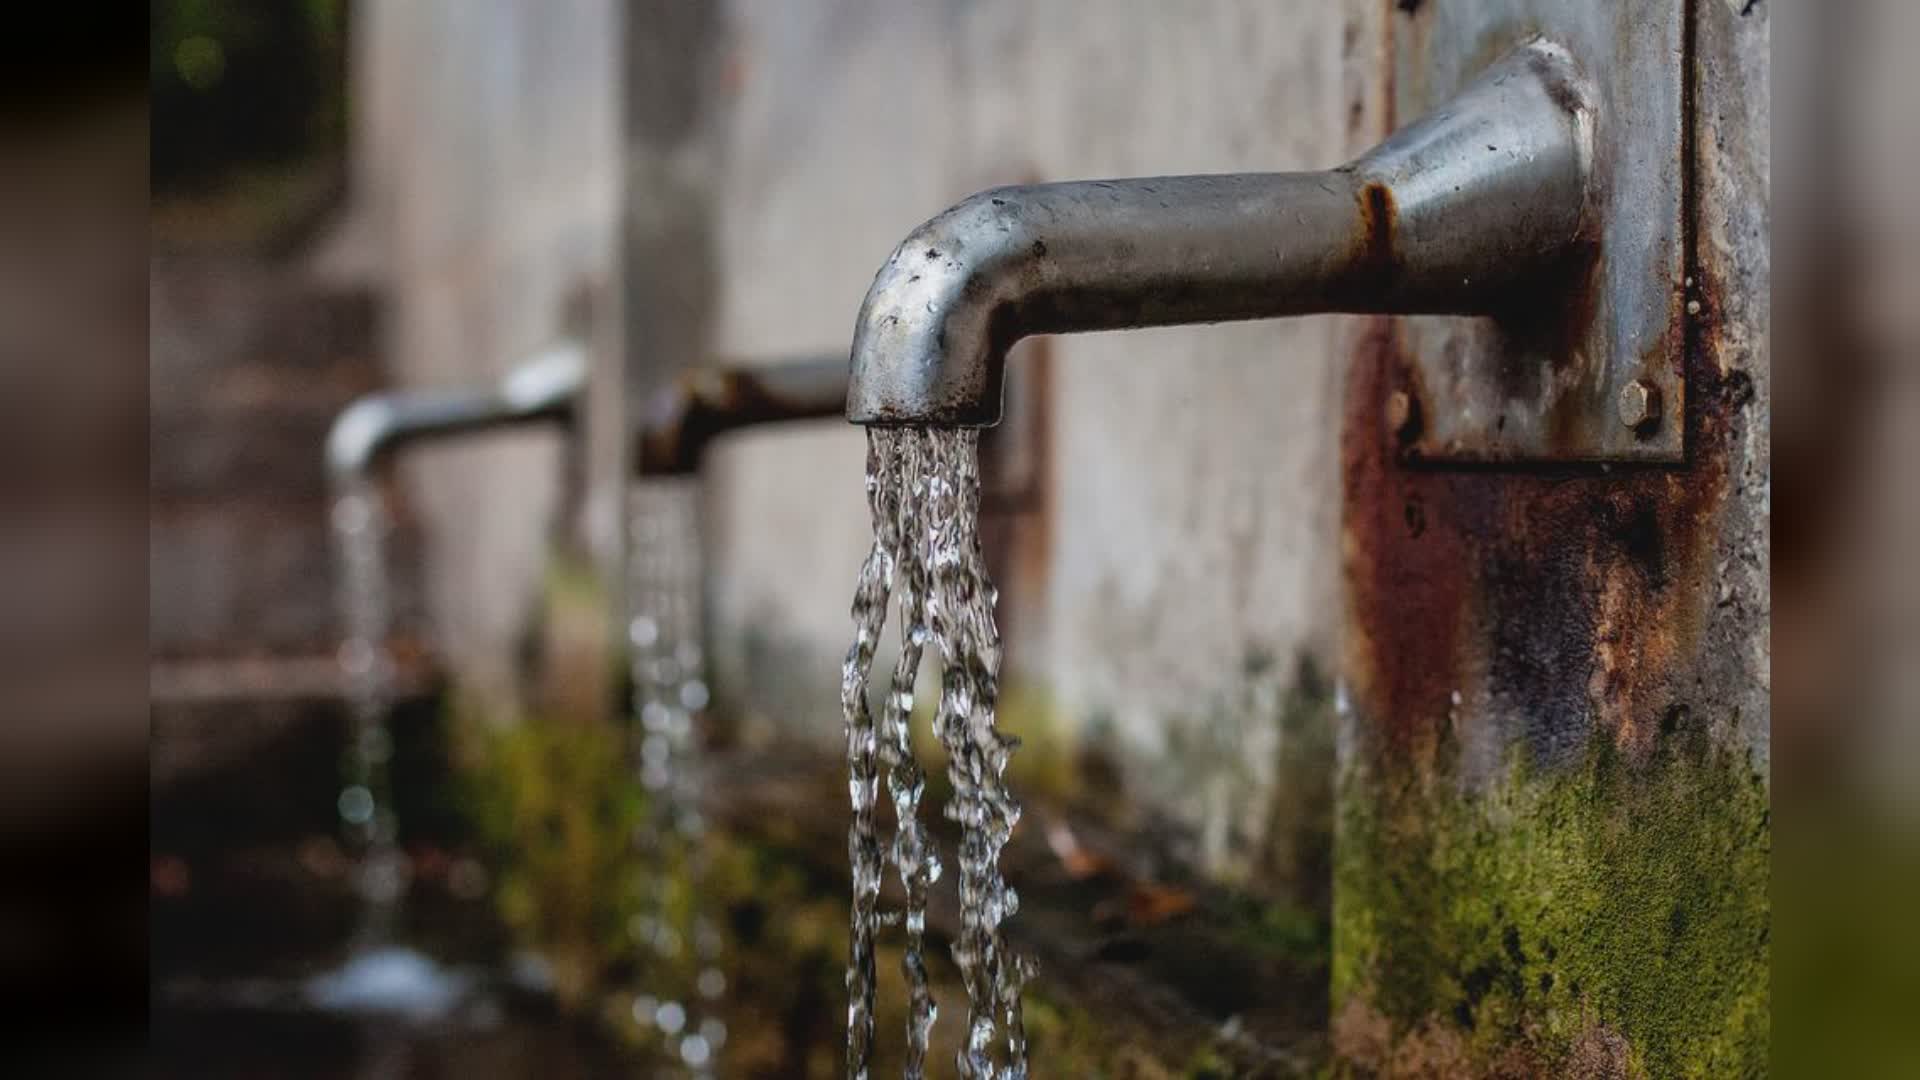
x,y
360,528
669,688
923,488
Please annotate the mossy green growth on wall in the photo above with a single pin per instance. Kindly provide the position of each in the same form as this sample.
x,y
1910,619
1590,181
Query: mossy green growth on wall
x,y
1611,915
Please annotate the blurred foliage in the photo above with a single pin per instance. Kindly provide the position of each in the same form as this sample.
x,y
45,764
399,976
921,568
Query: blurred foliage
x,y
557,807
1617,909
241,84
1847,968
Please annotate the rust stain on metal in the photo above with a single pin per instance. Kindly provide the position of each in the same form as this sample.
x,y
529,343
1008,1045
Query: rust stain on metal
x,y
708,402
1562,599
1406,594
1378,220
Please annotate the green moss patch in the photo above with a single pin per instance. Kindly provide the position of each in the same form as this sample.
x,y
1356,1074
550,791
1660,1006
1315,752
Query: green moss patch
x,y
1616,897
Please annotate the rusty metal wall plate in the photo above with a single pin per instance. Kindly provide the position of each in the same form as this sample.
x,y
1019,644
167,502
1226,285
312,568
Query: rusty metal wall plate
x,y
1588,368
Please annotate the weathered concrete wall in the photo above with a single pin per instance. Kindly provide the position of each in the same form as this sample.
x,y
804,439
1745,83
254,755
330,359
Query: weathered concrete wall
x,y
487,170
1190,488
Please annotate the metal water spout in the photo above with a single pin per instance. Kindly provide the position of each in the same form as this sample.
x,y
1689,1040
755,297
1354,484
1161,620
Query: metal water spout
x,y
709,401
544,389
1468,211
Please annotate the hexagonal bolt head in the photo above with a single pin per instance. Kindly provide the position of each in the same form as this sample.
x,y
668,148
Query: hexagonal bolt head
x,y
1640,405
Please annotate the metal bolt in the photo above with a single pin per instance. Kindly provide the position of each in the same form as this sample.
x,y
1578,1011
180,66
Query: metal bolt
x,y
1401,417
1639,404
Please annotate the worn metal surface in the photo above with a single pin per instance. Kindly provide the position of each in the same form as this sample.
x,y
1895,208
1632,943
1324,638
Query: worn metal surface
x,y
1541,381
546,389
704,403
1475,203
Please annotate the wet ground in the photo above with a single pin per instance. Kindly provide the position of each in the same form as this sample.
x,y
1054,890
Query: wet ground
x,y
1143,972
493,1039
253,916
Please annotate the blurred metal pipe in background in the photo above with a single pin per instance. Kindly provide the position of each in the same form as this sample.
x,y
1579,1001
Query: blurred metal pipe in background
x,y
706,402
545,389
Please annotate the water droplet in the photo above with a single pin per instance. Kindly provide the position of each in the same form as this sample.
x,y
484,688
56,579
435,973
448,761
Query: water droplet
x,y
694,695
356,805
695,1051
655,751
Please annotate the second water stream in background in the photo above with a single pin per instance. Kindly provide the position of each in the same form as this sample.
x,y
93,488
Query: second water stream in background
x,y
686,979
360,527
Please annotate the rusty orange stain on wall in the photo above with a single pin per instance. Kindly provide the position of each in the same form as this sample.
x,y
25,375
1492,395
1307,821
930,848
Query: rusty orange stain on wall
x,y
1563,599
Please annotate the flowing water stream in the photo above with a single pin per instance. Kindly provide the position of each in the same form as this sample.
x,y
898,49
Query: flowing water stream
x,y
380,974
685,978
360,527
923,490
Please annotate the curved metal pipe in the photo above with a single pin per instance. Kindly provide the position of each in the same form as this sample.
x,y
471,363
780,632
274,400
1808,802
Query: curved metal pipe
x,y
706,402
1452,215
544,389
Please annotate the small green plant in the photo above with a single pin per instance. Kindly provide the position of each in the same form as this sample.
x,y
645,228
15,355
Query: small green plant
x,y
558,808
